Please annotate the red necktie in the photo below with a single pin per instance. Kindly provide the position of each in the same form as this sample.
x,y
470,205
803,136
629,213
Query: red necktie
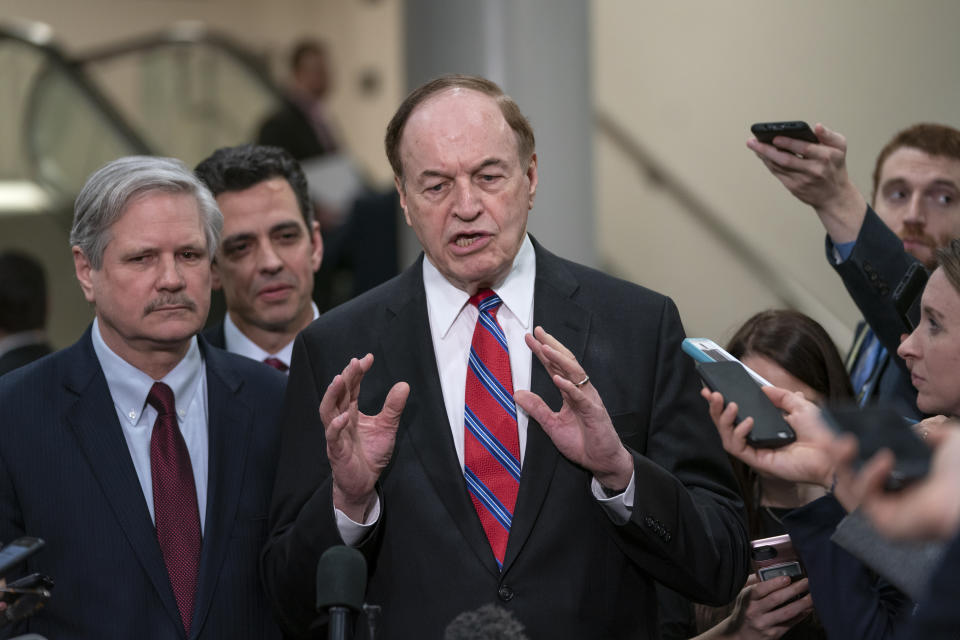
x,y
277,364
491,453
174,501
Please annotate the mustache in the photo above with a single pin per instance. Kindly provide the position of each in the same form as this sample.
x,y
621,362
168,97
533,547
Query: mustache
x,y
170,300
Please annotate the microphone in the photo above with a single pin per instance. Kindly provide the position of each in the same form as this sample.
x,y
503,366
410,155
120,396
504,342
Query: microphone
x,y
341,584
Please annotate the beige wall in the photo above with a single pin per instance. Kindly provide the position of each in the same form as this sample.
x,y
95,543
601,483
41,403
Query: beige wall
x,y
688,78
362,36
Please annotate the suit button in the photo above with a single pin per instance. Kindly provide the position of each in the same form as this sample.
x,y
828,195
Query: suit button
x,y
505,593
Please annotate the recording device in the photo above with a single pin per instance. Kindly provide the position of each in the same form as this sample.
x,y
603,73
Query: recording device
x,y
341,584
766,131
731,379
18,551
907,295
706,350
877,428
775,557
24,597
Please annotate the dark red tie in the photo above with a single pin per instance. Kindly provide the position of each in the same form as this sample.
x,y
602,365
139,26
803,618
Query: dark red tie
x,y
491,452
277,364
174,501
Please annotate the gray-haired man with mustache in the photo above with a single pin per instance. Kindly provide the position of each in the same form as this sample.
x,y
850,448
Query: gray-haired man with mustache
x,y
143,456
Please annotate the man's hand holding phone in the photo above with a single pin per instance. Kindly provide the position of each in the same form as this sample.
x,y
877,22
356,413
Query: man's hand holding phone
x,y
816,174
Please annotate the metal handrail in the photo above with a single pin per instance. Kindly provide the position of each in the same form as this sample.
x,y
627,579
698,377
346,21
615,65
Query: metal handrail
x,y
187,32
787,289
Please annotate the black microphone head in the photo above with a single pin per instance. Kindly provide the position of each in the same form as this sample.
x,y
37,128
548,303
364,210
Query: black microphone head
x,y
341,579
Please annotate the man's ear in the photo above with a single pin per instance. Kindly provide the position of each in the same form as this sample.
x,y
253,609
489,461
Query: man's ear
x,y
316,254
84,272
215,282
533,178
398,183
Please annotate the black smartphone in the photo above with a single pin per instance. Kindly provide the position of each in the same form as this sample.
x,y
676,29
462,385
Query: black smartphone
x,y
767,131
907,295
775,557
769,430
878,428
17,551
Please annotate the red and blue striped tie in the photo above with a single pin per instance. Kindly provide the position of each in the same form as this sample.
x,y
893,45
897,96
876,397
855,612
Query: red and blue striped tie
x,y
491,444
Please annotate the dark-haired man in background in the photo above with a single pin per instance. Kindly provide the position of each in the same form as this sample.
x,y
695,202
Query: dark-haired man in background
x,y
23,311
270,250
916,210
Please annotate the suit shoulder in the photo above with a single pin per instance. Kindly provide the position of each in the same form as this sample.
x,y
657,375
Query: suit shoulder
x,y
39,374
258,377
355,314
599,289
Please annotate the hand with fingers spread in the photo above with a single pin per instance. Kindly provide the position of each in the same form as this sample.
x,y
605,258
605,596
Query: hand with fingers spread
x,y
928,509
358,446
816,174
582,430
804,460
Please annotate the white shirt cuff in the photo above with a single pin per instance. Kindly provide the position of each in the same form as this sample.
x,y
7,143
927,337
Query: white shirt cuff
x,y
620,506
353,532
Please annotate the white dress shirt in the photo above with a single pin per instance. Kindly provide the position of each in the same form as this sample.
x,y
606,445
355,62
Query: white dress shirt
x,y
236,341
129,388
452,322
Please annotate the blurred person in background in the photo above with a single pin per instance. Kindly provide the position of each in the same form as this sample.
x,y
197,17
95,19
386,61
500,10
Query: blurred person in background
x,y
23,311
302,126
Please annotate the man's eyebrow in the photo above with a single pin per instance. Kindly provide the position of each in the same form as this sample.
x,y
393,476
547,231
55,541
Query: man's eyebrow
x,y
944,182
430,173
237,237
199,248
490,162
285,226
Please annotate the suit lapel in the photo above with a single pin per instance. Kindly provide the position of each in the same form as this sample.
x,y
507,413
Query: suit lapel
x,y
93,420
408,350
229,439
559,315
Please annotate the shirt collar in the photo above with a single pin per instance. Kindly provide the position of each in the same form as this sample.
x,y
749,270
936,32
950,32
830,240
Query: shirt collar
x,y
445,301
129,386
236,341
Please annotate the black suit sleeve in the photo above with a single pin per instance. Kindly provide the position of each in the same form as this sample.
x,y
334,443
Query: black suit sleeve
x,y
687,528
871,274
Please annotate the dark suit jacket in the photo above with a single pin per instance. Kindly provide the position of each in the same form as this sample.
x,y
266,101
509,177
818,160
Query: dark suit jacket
x,y
289,129
66,476
937,616
215,336
569,571
16,358
851,600
871,274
